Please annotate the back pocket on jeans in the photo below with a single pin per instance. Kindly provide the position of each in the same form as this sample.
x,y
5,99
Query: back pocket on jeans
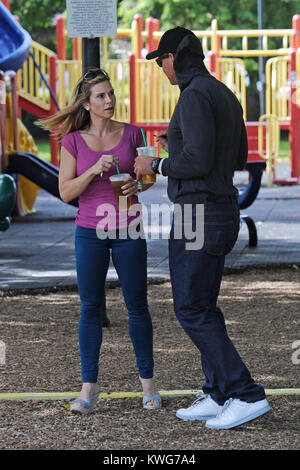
x,y
219,238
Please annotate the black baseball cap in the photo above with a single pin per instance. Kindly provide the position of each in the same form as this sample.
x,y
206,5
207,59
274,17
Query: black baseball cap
x,y
169,42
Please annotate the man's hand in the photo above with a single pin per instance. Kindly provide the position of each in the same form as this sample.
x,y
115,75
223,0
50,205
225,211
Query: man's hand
x,y
162,138
142,166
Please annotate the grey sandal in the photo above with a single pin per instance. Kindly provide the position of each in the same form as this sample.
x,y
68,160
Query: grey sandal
x,y
86,405
156,399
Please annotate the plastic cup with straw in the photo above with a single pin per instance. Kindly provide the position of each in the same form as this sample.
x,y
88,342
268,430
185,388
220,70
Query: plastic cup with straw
x,y
149,151
117,182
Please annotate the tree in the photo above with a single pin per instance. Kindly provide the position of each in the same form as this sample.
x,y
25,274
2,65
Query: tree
x,y
197,14
36,14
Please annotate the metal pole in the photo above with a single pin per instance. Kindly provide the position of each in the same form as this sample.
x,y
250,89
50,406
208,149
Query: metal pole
x,y
90,53
261,60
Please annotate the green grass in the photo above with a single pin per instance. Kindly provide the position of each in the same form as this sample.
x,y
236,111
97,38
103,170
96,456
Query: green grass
x,y
284,150
44,149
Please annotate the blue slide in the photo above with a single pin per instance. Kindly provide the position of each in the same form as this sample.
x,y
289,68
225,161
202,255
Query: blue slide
x,y
14,42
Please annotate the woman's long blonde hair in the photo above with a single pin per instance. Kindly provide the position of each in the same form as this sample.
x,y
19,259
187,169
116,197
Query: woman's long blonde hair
x,y
74,116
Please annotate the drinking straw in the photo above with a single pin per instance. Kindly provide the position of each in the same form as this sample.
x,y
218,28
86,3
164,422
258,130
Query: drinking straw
x,y
117,169
145,142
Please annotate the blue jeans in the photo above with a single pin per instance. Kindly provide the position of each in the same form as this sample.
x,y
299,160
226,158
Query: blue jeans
x,y
196,278
92,261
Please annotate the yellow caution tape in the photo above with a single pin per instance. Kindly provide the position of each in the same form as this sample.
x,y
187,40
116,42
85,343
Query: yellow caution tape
x,y
167,393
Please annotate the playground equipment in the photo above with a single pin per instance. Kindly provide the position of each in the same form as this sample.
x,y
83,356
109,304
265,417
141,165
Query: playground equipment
x,y
19,153
14,48
21,156
133,77
268,143
225,52
14,42
7,200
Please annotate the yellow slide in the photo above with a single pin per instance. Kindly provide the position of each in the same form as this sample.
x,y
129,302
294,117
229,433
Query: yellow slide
x,y
26,190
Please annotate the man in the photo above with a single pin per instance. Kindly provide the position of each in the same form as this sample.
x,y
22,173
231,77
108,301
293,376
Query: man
x,y
206,141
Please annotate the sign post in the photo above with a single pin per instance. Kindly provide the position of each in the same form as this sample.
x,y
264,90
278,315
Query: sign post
x,y
90,53
91,20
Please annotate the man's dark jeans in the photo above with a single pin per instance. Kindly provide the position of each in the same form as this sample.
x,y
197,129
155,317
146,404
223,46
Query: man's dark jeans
x,y
196,278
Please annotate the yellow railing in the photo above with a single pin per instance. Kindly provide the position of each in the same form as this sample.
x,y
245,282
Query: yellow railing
x,y
249,50
30,84
155,97
156,106
118,71
268,143
233,73
277,88
222,41
68,73
226,43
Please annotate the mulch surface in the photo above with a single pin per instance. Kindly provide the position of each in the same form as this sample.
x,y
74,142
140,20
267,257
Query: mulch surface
x,y
261,309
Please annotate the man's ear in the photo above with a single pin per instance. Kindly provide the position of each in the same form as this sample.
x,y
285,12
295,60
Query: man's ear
x,y
172,56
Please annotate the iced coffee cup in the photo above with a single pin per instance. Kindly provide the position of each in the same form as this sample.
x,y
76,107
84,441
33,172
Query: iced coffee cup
x,y
117,182
150,151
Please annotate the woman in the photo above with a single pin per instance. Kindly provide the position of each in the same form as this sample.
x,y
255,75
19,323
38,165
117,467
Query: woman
x,y
91,145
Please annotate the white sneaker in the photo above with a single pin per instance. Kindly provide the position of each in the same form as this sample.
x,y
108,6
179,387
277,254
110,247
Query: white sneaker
x,y
202,409
235,412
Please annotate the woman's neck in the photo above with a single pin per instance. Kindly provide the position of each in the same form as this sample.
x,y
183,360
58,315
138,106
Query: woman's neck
x,y
100,127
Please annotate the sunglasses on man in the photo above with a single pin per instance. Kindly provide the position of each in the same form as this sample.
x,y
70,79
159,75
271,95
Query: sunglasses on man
x,y
161,58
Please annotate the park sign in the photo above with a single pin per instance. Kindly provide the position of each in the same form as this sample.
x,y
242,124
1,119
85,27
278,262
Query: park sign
x,y
91,18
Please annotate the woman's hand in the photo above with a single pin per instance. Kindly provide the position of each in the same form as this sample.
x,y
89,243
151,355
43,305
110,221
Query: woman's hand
x,y
130,188
103,164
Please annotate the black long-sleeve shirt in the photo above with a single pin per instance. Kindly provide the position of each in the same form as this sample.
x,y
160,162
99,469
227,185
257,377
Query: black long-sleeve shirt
x,y
207,138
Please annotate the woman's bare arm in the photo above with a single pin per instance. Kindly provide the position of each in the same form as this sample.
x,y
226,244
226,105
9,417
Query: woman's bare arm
x,y
70,185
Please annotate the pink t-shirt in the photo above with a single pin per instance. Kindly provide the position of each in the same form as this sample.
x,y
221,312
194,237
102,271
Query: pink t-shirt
x,y
95,201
